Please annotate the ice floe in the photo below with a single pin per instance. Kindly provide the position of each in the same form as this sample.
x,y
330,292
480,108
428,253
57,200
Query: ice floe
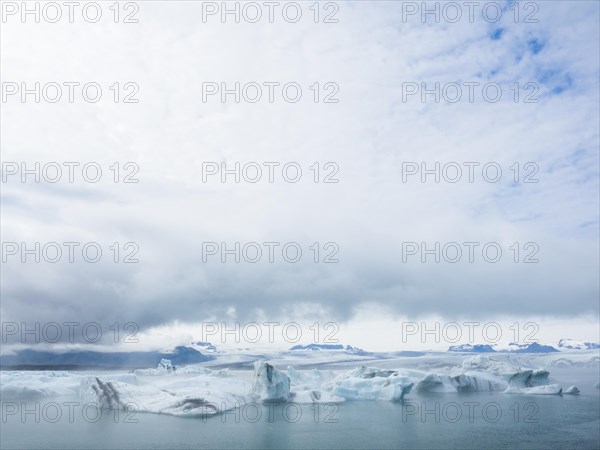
x,y
200,391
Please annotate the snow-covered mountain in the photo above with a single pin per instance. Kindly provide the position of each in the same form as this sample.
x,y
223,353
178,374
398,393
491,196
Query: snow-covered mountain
x,y
468,348
512,347
329,347
534,347
206,347
316,347
572,344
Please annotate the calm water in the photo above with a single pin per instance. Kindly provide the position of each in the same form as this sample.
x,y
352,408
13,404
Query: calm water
x,y
441,421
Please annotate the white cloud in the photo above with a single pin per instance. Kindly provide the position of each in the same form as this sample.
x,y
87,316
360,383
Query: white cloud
x,y
369,134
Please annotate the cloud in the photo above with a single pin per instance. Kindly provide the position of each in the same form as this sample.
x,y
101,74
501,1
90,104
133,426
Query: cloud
x,y
369,134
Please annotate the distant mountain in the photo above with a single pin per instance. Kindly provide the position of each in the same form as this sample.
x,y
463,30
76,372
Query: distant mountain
x,y
571,344
179,356
512,348
409,353
206,346
468,348
534,347
318,347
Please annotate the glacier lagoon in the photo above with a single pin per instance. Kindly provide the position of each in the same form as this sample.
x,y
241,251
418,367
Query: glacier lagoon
x,y
556,422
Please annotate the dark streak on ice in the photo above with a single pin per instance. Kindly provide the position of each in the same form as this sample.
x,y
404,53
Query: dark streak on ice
x,y
106,392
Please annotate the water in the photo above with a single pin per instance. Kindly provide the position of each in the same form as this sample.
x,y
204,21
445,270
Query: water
x,y
479,420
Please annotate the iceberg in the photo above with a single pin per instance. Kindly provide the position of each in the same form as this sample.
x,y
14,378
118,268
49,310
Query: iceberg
x,y
466,382
199,396
199,391
484,374
549,389
314,378
528,378
435,383
270,385
531,382
164,369
483,363
367,383
476,383
36,385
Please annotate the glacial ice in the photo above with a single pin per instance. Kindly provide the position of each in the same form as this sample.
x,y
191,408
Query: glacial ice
x,y
528,378
185,370
366,383
488,364
362,383
270,384
35,385
533,382
467,382
200,391
199,396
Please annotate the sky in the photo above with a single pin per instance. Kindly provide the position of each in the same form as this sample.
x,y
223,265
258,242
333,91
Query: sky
x,y
370,214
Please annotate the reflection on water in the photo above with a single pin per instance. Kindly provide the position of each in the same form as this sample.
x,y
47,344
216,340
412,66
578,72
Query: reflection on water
x,y
479,420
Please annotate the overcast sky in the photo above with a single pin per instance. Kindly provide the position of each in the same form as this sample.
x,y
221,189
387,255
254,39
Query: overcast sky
x,y
369,134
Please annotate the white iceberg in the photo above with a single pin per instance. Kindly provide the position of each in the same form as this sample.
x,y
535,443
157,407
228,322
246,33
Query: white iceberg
x,y
435,383
548,389
35,385
531,382
181,396
466,382
270,384
483,363
367,383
